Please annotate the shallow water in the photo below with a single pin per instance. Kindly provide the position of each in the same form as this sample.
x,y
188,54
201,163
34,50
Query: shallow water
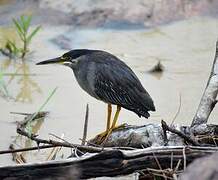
x,y
185,48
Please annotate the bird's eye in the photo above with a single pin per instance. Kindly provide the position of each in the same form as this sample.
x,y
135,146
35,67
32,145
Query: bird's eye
x,y
69,59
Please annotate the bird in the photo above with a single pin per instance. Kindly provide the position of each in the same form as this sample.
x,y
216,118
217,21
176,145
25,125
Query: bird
x,y
107,78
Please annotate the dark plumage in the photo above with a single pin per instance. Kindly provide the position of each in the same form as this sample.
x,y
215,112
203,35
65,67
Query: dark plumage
x,y
107,78
117,84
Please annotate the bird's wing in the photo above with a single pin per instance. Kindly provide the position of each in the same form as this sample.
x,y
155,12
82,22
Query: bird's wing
x,y
116,83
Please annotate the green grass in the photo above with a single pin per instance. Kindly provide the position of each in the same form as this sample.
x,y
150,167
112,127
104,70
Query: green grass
x,y
22,27
28,126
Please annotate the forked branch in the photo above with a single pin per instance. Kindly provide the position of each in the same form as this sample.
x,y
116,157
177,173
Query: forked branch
x,y
208,99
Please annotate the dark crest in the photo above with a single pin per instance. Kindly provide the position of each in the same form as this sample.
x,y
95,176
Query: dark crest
x,y
78,52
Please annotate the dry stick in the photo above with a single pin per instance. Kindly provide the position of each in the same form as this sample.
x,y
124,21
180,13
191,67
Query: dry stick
x,y
60,138
177,165
91,149
21,113
171,161
54,151
161,173
85,125
208,100
27,149
164,133
30,117
63,140
179,133
159,166
18,158
184,159
33,137
178,111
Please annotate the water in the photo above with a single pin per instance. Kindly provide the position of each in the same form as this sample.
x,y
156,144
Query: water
x,y
186,50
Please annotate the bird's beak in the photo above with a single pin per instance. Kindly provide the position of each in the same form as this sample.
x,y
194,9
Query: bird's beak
x,y
57,60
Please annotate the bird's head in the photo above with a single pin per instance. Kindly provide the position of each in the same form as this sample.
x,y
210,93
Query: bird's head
x,y
70,58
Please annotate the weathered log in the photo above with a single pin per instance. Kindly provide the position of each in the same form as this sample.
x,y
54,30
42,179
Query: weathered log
x,y
108,163
208,99
153,135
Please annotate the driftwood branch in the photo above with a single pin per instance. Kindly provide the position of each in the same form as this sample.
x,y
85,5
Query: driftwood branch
x,y
85,148
107,163
208,99
161,135
188,139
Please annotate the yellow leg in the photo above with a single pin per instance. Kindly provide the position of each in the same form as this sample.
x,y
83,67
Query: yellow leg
x,y
102,135
113,126
109,110
116,117
101,138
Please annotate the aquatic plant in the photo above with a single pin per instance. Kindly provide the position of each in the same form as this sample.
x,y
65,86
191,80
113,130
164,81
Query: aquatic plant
x,y
28,125
22,27
12,49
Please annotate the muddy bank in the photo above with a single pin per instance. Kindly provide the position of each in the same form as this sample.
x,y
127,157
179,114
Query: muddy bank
x,y
107,13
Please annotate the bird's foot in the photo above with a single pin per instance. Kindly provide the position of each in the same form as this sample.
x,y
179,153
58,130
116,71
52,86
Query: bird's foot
x,y
100,138
120,126
103,137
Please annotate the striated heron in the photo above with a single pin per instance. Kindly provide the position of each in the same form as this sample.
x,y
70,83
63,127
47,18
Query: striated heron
x,y
107,78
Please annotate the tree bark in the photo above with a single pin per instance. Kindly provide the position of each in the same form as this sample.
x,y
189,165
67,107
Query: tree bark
x,y
208,99
109,163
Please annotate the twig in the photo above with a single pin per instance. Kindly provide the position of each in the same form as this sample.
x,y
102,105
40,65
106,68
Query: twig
x,y
178,111
184,159
27,149
164,133
177,165
29,117
63,140
161,173
18,158
85,125
91,144
57,143
179,133
54,151
159,166
60,138
21,113
171,161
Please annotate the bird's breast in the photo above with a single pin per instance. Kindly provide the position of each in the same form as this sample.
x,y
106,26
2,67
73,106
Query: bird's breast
x,y
85,77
